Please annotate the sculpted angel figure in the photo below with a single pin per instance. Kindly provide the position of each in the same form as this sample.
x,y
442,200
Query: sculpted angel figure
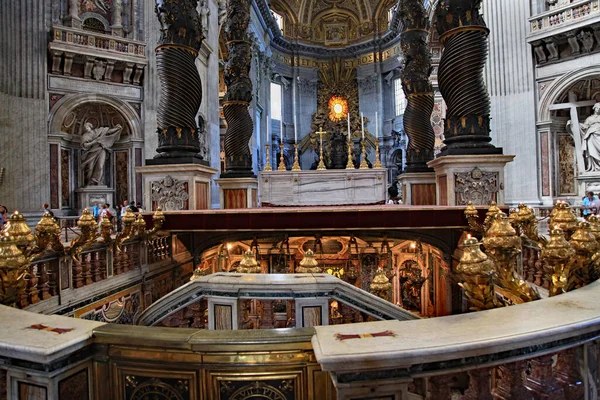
x,y
96,144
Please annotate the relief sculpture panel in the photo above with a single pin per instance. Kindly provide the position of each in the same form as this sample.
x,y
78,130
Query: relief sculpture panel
x,y
566,165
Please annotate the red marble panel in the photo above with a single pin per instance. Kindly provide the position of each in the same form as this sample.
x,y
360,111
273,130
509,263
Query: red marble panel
x,y
122,176
65,182
202,196
545,164
54,176
234,198
139,191
423,194
443,190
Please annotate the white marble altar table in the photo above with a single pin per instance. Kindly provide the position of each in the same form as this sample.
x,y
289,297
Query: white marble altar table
x,y
321,188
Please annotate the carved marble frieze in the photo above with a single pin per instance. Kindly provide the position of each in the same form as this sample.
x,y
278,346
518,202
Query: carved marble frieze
x,y
479,187
170,194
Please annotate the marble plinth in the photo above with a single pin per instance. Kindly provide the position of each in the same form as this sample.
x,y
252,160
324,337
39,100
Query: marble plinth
x,y
588,182
475,178
189,183
320,188
418,188
238,192
89,195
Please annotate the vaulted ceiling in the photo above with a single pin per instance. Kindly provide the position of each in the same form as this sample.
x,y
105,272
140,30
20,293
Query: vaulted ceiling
x,y
333,23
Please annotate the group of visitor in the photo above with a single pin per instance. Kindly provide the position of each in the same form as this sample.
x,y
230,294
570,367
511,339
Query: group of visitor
x,y
99,211
590,205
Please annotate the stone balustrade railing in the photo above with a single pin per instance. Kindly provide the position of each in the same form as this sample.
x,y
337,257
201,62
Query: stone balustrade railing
x,y
565,15
99,56
544,349
109,45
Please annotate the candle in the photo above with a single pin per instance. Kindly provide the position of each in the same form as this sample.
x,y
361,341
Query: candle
x,y
281,128
376,125
295,130
349,135
362,125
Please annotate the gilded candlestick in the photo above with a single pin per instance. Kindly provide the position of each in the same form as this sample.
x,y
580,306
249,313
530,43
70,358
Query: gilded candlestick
x,y
377,161
363,156
296,166
349,164
281,166
268,167
321,165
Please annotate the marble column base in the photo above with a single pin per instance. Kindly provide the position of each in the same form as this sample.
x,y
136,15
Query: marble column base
x,y
196,179
238,192
475,178
418,188
90,194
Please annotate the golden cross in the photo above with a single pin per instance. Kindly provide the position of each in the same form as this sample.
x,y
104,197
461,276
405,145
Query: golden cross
x,y
321,132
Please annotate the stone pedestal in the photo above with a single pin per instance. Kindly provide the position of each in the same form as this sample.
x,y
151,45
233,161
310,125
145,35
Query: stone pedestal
x,y
464,178
589,181
91,194
176,187
312,312
418,188
238,192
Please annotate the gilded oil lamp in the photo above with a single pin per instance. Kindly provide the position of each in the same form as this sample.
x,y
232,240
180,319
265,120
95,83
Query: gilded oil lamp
x,y
47,234
106,229
309,264
476,271
87,225
19,231
249,265
491,212
158,219
13,271
128,220
594,222
557,253
501,240
583,241
472,215
562,217
139,226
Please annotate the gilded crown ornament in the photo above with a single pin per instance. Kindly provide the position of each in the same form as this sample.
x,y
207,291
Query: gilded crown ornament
x,y
249,265
308,264
557,253
380,284
19,231
563,217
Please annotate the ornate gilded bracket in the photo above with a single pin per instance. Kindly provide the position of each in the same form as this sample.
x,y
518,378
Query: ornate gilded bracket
x,y
87,236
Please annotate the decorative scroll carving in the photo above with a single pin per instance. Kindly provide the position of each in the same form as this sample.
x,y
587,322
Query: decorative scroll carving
x,y
416,85
479,187
464,34
180,41
239,90
170,193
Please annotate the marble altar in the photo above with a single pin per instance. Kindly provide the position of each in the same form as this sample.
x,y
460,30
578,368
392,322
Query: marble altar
x,y
322,188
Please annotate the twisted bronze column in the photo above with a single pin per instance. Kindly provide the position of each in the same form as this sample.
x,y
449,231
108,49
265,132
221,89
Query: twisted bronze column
x,y
416,86
238,159
181,88
464,35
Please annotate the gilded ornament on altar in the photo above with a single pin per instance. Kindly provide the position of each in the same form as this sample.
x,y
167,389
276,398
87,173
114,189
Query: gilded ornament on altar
x,y
380,284
583,241
308,265
248,265
557,253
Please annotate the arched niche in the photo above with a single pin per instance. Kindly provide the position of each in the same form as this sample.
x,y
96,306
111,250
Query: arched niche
x,y
66,125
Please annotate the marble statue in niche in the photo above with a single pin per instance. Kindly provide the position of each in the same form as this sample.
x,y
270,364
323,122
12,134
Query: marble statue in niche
x,y
96,144
590,136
